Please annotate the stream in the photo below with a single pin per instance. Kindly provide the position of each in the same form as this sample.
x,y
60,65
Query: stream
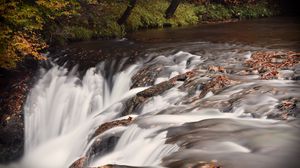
x,y
161,82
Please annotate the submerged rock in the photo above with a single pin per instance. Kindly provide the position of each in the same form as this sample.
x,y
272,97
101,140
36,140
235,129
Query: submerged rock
x,y
116,166
146,76
105,144
134,103
285,109
101,145
215,84
206,165
80,163
201,164
106,126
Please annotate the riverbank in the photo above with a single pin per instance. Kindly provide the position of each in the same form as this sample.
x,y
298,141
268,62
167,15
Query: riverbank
x,y
29,29
149,15
14,87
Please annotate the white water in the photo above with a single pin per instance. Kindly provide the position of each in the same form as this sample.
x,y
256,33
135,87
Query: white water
x,y
138,147
62,111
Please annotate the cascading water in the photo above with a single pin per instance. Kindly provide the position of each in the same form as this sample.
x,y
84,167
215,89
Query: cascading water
x,y
171,129
132,141
62,110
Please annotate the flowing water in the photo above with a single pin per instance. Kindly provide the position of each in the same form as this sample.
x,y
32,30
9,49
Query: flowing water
x,y
171,129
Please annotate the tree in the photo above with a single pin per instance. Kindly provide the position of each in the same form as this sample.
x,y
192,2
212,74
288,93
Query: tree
x,y
127,12
172,8
22,24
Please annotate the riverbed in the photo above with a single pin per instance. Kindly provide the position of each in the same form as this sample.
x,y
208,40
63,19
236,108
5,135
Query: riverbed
x,y
191,97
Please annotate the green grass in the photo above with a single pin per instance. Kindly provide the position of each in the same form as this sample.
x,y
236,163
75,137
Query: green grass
x,y
77,33
213,12
253,11
151,15
100,21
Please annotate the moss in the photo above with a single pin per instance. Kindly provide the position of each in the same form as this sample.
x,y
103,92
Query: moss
x,y
185,15
101,19
213,12
63,21
218,12
249,11
147,15
151,15
111,29
77,33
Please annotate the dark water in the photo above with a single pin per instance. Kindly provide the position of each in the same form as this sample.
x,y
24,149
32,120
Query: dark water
x,y
278,32
273,33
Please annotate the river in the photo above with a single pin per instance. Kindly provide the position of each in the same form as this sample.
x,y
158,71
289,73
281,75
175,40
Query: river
x,y
160,79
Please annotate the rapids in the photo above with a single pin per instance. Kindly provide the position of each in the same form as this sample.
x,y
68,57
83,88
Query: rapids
x,y
173,129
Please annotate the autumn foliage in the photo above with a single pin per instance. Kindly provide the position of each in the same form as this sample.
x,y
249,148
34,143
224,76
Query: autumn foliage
x,y
28,26
21,27
269,63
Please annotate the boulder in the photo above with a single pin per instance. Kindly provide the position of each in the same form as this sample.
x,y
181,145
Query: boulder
x,y
134,103
146,76
215,84
80,163
106,126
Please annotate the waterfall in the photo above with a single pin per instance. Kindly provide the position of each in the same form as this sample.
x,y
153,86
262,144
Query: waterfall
x,y
62,110
138,147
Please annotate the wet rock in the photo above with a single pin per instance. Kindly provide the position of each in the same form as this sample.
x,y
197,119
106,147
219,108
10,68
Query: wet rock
x,y
285,109
272,59
102,146
106,126
134,103
12,140
216,84
80,163
156,89
105,144
200,164
270,75
212,164
146,76
13,91
216,69
270,63
191,86
194,82
116,166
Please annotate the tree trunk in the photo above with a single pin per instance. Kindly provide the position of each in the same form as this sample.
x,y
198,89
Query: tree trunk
x,y
127,12
172,8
